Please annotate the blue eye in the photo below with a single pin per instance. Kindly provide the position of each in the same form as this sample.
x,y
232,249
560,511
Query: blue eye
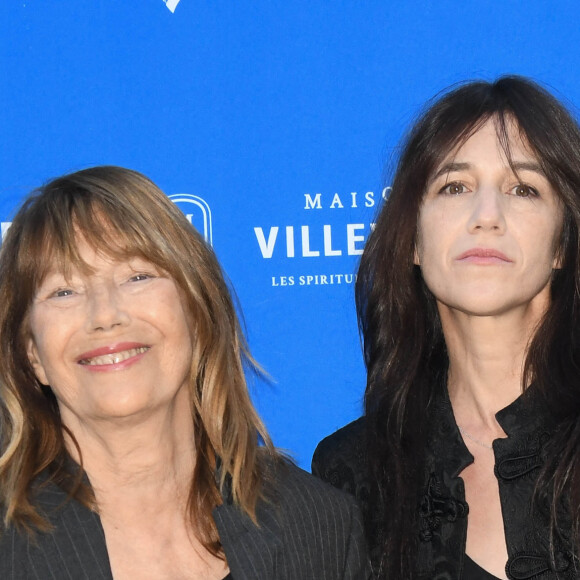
x,y
140,277
63,293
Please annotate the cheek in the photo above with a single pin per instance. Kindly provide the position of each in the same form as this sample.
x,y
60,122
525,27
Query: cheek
x,y
46,347
548,254
429,242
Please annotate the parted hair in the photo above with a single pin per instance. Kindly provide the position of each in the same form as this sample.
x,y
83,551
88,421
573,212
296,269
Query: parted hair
x,y
404,346
122,214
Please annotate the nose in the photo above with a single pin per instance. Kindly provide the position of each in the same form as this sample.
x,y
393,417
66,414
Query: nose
x,y
488,212
106,309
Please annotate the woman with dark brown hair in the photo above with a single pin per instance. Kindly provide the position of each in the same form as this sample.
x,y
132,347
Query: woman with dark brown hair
x,y
466,461
129,445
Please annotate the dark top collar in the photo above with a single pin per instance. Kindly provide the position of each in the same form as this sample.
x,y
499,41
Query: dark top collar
x,y
521,419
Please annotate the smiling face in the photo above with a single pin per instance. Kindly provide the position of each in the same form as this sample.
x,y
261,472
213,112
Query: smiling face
x,y
487,239
112,342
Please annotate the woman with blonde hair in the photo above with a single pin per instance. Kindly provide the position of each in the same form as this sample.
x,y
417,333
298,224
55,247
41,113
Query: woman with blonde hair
x,y
130,447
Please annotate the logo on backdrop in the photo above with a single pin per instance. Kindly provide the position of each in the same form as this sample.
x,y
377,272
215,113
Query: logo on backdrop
x,y
325,241
5,226
171,4
197,211
195,208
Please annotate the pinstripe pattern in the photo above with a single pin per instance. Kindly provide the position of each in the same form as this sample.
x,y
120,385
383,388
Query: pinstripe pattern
x,y
74,550
312,532
309,532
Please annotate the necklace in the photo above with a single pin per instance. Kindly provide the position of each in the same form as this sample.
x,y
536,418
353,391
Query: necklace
x,y
472,438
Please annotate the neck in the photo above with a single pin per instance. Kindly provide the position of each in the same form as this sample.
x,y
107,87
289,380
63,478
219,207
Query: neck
x,y
486,360
147,455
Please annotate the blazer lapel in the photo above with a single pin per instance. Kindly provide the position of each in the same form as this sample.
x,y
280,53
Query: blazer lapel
x,y
252,552
75,549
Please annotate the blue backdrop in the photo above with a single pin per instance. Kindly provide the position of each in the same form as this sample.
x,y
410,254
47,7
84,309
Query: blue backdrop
x,y
271,123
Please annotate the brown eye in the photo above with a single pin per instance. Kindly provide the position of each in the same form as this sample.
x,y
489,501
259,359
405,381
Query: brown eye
x,y
522,190
454,188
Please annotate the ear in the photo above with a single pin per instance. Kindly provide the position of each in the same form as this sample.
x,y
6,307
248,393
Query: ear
x,y
34,359
558,259
416,259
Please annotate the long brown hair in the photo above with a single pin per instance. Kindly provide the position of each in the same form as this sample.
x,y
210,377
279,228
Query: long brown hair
x,y
404,347
123,214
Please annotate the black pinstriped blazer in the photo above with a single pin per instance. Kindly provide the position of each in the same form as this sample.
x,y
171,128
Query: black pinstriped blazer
x,y
310,532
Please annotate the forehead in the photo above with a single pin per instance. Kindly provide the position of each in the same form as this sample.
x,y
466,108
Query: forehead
x,y
493,141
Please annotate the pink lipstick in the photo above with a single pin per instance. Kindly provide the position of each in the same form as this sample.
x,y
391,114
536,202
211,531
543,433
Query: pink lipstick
x,y
113,357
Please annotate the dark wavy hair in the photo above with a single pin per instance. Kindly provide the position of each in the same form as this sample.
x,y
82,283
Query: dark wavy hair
x,y
404,347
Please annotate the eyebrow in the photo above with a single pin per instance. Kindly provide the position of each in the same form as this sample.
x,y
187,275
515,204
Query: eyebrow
x,y
450,167
463,166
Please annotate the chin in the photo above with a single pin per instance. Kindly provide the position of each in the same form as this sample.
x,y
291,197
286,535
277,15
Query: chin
x,y
125,408
478,305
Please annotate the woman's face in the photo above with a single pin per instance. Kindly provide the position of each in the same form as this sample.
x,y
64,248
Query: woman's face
x,y
111,344
487,239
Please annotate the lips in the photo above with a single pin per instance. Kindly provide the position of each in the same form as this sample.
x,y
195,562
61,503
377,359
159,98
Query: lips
x,y
112,355
483,256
